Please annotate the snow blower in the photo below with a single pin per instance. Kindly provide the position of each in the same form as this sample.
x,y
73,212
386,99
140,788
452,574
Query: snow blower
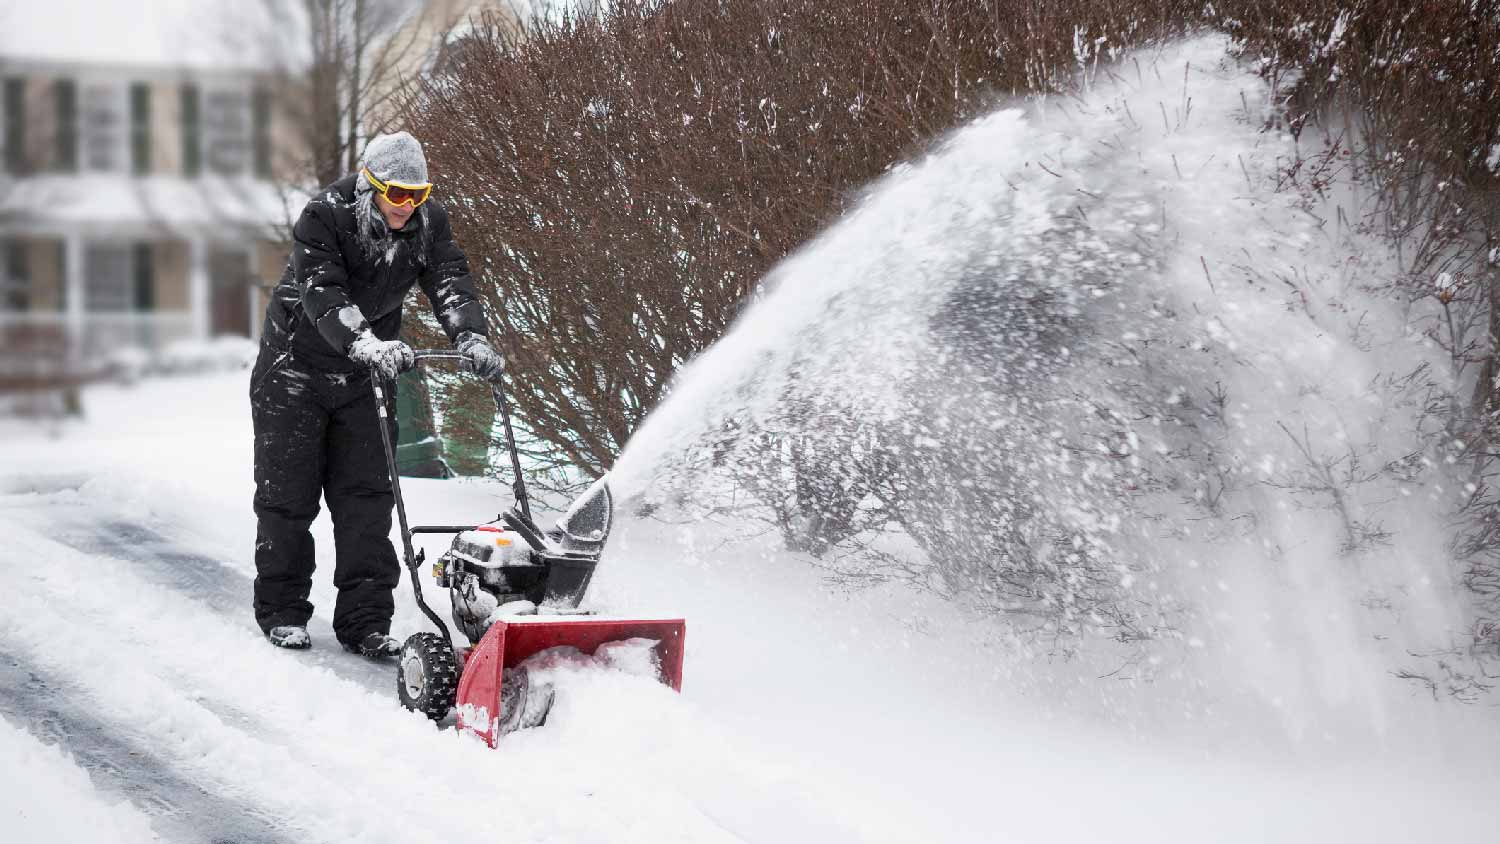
x,y
515,591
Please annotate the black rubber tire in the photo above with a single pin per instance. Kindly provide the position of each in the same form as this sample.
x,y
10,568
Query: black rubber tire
x,y
433,689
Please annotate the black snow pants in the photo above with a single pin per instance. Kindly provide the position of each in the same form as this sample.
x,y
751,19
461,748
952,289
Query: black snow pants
x,y
316,433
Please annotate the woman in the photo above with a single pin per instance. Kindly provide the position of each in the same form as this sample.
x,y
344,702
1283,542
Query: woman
x,y
332,322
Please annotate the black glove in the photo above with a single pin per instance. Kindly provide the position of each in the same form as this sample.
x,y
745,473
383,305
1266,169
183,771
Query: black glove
x,y
483,359
389,358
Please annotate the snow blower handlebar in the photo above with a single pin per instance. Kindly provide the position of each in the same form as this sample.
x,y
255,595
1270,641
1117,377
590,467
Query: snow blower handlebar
x,y
522,502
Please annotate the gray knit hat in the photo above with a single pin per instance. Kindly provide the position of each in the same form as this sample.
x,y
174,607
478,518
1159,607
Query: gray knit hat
x,y
396,157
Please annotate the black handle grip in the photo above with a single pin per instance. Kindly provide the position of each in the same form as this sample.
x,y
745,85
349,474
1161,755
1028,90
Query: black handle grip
x,y
419,355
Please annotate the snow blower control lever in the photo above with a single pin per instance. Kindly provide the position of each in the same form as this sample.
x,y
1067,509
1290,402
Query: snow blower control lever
x,y
515,591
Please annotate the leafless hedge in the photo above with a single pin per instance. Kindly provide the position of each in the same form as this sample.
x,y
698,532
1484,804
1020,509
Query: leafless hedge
x,y
622,183
625,181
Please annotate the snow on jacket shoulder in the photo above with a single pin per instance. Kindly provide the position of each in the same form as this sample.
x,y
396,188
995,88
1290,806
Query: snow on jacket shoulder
x,y
334,285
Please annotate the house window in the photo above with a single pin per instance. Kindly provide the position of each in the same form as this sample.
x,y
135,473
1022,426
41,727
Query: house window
x,y
15,125
260,125
65,97
145,278
108,276
119,277
140,129
226,131
102,126
192,132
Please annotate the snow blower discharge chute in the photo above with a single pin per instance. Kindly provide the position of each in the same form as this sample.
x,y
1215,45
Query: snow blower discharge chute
x,y
515,591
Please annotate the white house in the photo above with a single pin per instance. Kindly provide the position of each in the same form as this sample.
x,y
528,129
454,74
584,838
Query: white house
x,y
138,143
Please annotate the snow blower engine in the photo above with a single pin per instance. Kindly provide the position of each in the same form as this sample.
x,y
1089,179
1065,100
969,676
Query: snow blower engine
x,y
494,571
515,591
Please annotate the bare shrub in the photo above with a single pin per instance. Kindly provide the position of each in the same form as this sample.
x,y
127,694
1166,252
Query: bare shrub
x,y
623,181
1406,95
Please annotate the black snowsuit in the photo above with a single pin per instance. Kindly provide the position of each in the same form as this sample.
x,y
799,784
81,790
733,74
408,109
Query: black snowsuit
x,y
314,412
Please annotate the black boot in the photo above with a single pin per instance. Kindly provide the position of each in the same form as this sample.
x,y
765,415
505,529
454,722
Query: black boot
x,y
375,646
292,636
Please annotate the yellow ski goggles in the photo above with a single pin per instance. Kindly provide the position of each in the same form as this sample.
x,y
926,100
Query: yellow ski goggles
x,y
397,193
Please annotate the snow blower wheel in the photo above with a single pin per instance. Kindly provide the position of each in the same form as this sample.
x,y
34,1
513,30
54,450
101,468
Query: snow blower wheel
x,y
428,677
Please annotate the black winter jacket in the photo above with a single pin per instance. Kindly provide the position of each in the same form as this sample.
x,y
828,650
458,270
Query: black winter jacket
x,y
333,287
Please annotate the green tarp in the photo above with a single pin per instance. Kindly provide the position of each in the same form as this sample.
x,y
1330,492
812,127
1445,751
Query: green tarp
x,y
419,452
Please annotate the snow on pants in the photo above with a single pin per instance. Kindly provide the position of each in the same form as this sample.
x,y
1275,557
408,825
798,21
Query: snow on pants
x,y
317,434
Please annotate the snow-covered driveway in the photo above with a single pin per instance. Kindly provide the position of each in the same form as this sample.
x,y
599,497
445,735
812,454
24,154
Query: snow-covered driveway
x,y
135,654
143,703
126,641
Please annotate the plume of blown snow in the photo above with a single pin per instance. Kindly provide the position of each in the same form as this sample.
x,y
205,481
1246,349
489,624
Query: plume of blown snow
x,y
1096,366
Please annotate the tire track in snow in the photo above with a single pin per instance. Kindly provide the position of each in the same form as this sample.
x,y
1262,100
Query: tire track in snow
x,y
181,809
168,563
51,505
319,748
148,693
160,561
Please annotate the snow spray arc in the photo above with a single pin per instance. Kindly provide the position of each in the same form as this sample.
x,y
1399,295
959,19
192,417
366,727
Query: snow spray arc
x,y
1091,366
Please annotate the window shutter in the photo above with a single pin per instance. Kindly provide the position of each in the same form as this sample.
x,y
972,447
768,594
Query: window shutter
x,y
140,128
17,275
15,126
145,278
260,125
192,132
65,99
